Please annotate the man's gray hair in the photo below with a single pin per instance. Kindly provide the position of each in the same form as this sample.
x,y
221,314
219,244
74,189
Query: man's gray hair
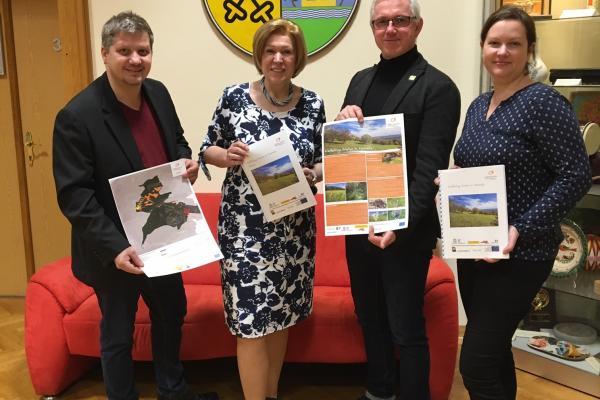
x,y
415,8
127,22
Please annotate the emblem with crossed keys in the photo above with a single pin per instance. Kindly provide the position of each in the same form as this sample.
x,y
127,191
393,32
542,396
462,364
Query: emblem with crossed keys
x,y
262,12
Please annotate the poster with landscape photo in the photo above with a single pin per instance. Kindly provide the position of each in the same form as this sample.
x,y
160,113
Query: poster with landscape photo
x,y
276,177
364,175
472,211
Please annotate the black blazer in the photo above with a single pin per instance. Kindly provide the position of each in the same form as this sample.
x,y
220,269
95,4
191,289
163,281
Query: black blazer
x,y
430,102
92,143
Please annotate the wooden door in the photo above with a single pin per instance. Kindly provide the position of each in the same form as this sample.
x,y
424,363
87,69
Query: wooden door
x,y
51,62
13,232
40,78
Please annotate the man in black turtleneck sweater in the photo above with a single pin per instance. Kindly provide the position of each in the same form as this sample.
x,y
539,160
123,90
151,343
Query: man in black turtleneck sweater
x,y
388,272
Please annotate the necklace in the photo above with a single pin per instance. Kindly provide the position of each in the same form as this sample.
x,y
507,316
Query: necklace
x,y
273,101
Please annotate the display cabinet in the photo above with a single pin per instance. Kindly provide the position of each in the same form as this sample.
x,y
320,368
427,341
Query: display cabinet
x,y
573,299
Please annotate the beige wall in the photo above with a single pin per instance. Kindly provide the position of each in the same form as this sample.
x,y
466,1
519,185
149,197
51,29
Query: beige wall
x,y
195,63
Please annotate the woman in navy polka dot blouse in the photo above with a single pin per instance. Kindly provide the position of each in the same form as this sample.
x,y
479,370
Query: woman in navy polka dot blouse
x,y
532,130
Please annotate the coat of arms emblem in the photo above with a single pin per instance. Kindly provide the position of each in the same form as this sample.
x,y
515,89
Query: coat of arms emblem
x,y
321,20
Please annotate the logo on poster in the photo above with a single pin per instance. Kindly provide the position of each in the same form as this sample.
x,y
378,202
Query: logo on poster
x,y
320,20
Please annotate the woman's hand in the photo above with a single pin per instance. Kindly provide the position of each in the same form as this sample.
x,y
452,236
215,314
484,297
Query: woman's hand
x,y
313,174
236,154
513,235
351,112
191,170
436,180
383,241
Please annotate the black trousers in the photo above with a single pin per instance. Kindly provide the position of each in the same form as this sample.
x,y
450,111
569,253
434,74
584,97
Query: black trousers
x,y
165,297
496,297
388,289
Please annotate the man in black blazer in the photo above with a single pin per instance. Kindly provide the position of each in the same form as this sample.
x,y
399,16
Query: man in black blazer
x,y
121,123
388,272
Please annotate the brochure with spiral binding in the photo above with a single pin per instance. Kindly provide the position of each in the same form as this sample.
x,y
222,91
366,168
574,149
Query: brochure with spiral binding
x,y
472,212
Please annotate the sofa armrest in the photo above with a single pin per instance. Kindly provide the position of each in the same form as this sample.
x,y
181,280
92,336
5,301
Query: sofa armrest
x,y
57,278
441,315
51,293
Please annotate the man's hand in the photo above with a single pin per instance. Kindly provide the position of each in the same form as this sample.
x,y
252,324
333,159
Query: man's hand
x,y
513,235
191,170
129,261
351,112
383,241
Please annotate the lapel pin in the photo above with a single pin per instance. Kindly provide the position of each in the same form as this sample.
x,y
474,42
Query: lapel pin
x,y
412,77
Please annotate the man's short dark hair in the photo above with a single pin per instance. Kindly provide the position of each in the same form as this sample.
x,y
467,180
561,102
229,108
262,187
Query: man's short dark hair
x,y
128,22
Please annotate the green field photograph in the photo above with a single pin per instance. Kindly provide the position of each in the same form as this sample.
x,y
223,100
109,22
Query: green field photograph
x,y
473,210
350,136
396,214
335,192
356,191
275,175
378,216
395,202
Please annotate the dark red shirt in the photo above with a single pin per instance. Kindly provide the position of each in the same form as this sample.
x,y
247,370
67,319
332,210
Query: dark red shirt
x,y
147,134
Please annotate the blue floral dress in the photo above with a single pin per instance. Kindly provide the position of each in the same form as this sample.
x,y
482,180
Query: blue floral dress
x,y
268,267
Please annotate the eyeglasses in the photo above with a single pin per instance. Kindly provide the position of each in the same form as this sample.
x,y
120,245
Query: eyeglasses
x,y
401,21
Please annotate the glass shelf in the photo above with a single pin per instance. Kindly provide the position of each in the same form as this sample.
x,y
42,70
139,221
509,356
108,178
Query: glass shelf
x,y
580,284
594,190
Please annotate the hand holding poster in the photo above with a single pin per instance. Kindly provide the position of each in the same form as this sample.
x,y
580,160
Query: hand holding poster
x,y
163,220
276,177
473,213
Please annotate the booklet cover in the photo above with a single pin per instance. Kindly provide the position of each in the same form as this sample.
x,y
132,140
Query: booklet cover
x,y
472,212
276,177
364,175
163,220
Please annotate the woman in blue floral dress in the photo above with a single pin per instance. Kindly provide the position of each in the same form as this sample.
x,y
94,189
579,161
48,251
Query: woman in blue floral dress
x,y
268,267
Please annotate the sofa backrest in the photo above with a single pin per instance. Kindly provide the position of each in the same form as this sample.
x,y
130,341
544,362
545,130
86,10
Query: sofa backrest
x,y
331,268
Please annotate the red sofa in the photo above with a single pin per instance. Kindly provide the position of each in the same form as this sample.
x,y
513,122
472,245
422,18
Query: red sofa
x,y
62,319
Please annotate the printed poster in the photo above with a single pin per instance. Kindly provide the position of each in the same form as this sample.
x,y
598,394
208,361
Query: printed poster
x,y
364,175
276,177
473,213
163,220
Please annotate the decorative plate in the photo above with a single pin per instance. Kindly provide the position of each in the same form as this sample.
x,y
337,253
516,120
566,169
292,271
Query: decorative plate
x,y
558,348
575,332
593,258
572,252
591,138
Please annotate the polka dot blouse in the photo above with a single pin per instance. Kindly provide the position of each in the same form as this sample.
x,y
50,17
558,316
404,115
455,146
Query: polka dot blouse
x,y
536,135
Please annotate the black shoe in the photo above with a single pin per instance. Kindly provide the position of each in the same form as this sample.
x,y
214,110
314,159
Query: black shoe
x,y
188,394
207,396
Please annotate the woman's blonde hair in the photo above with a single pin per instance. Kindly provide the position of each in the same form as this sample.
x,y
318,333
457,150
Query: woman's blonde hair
x,y
281,27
